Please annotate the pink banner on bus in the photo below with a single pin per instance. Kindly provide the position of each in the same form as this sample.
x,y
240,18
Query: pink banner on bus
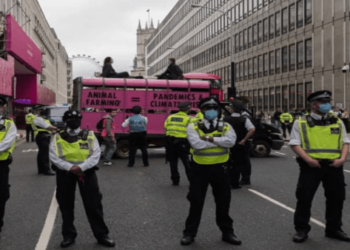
x,y
7,72
21,46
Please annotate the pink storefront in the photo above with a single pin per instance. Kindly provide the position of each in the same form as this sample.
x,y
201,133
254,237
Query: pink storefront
x,y
19,73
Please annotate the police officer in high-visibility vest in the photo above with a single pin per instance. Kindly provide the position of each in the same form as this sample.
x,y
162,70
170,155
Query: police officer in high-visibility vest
x,y
74,154
210,140
286,121
177,145
138,135
42,130
8,132
29,129
322,147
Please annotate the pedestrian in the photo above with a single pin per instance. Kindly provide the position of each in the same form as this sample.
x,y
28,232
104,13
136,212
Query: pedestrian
x,y
8,132
29,129
322,147
210,142
286,120
176,142
137,136
240,152
109,72
42,130
173,71
108,135
276,117
75,154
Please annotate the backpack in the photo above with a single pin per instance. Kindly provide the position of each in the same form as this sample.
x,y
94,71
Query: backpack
x,y
99,125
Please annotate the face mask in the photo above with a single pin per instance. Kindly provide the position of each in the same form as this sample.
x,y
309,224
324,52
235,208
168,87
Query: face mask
x,y
211,114
168,63
325,108
73,124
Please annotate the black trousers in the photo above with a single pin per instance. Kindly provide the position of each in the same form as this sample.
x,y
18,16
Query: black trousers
x,y
174,152
29,132
284,127
138,141
43,160
240,164
4,189
201,176
92,200
334,191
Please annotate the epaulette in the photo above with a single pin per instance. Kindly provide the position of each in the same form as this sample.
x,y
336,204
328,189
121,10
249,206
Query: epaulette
x,y
310,121
221,124
83,134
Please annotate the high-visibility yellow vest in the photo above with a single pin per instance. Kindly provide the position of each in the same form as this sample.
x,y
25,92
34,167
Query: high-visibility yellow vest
x,y
29,118
37,130
6,127
210,156
286,117
176,125
321,142
75,152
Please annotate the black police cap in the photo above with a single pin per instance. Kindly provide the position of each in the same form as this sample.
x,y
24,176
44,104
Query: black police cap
x,y
184,105
208,101
136,109
319,95
3,100
237,105
71,114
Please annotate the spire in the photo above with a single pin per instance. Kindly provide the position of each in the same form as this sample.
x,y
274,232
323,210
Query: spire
x,y
151,27
146,26
158,24
139,28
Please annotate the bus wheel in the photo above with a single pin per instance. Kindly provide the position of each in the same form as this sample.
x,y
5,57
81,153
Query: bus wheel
x,y
123,148
261,149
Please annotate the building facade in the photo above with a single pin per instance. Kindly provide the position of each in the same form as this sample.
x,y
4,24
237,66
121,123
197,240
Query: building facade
x,y
282,49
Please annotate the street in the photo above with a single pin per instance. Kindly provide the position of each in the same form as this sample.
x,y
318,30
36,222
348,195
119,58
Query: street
x,y
145,212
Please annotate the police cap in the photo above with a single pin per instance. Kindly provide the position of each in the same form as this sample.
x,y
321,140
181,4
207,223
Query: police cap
x,y
71,114
320,95
3,100
209,101
184,105
237,105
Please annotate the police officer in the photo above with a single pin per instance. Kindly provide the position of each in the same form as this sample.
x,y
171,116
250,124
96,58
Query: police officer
x,y
177,145
8,132
322,146
210,142
137,137
42,130
29,130
239,154
74,154
286,120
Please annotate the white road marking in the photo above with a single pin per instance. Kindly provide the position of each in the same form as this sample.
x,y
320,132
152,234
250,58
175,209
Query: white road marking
x,y
347,171
48,226
284,206
285,146
274,152
30,150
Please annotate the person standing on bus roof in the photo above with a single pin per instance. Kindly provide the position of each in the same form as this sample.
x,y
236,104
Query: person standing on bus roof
x,y
109,72
173,72
8,132
210,140
29,129
75,154
176,142
42,130
137,137
108,135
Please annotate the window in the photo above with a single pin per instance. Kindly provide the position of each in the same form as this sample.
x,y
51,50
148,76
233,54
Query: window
x,y
278,97
245,39
250,69
300,96
291,97
272,63
300,59
300,14
254,5
245,8
241,71
292,57
240,41
260,3
308,53
278,61
285,59
308,11
285,97
245,70
292,17
260,62
255,65
250,7
266,2
266,64
260,36
266,29
308,91
250,36
272,27
266,99
260,100
272,99
255,34
255,97
236,43
284,20
241,10
237,13
237,72
278,23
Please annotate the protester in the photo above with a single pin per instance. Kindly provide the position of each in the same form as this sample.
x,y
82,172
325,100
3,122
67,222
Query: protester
x,y
173,72
109,72
108,135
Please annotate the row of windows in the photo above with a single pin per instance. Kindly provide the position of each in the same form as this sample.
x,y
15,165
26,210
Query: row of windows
x,y
275,25
286,97
289,58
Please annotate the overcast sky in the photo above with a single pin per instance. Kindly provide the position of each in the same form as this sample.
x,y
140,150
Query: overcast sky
x,y
102,28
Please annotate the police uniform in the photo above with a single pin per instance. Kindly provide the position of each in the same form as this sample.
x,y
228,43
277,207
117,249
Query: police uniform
x,y
322,138
208,166
286,121
75,147
42,138
29,129
8,132
176,142
137,137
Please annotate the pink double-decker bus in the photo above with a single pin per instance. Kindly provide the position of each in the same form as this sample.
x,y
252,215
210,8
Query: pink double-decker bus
x,y
158,99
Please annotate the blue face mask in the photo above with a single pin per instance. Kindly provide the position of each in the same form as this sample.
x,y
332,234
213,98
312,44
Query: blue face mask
x,y
211,114
325,108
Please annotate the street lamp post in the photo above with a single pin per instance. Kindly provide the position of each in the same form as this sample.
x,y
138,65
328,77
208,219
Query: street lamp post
x,y
233,79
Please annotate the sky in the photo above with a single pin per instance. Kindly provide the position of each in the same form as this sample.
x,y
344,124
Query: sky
x,y
102,28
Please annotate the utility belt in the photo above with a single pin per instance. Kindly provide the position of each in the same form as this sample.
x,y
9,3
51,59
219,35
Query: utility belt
x,y
171,140
44,134
60,171
6,162
323,162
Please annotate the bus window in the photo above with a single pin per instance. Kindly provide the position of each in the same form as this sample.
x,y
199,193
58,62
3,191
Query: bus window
x,y
216,84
